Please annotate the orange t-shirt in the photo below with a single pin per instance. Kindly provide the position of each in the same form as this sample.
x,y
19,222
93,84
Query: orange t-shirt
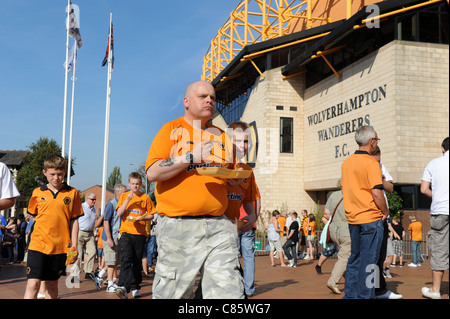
x,y
305,222
137,206
360,173
246,192
53,214
311,232
416,231
99,236
189,193
282,223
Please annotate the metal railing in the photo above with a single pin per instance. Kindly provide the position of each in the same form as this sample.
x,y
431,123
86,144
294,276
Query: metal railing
x,y
261,243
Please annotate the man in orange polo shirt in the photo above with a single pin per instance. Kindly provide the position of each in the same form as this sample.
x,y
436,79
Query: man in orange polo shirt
x,y
193,234
366,210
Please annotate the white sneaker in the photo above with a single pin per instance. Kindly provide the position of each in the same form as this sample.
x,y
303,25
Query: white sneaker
x,y
136,293
428,294
40,296
395,296
390,295
291,263
412,265
387,273
98,282
111,288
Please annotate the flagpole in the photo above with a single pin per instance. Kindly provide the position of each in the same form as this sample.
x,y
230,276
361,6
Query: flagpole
x,y
71,112
63,149
108,104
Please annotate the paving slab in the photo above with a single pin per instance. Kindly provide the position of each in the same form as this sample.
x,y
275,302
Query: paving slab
x,y
277,282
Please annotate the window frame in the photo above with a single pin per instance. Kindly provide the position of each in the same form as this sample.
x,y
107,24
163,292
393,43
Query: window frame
x,y
288,135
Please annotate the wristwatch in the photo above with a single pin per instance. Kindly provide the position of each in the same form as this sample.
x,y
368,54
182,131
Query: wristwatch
x,y
189,157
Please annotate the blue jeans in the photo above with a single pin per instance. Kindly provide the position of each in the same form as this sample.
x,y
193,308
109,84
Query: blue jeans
x,y
151,249
416,254
245,244
362,275
288,247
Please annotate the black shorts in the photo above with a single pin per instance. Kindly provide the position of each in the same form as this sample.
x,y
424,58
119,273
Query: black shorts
x,y
45,267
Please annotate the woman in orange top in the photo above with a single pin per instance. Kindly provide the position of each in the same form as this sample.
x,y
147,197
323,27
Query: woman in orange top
x,y
310,231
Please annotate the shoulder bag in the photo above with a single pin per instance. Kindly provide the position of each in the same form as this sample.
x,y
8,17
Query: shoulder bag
x,y
331,219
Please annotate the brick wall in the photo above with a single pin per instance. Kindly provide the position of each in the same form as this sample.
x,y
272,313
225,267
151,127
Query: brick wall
x,y
97,190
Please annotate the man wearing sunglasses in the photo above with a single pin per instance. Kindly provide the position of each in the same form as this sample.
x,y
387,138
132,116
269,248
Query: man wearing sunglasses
x,y
86,238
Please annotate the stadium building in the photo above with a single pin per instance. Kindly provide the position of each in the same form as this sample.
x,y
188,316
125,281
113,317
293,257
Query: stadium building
x,y
306,74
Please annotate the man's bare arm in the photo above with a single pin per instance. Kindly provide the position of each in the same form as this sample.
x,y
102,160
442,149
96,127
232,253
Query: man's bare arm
x,y
425,189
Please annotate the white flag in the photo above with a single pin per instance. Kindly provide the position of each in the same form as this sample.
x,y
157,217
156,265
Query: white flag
x,y
71,60
74,29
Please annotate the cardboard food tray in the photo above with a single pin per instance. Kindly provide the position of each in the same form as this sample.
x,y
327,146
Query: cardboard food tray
x,y
134,219
223,172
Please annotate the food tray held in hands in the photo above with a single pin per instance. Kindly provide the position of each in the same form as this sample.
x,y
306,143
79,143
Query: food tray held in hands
x,y
223,172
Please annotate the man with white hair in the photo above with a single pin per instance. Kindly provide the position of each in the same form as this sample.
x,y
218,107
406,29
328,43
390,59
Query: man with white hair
x,y
365,210
86,239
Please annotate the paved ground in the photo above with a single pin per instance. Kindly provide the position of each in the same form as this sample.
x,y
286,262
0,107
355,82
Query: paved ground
x,y
271,282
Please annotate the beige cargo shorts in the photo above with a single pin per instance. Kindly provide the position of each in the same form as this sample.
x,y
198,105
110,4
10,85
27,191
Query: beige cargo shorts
x,y
189,245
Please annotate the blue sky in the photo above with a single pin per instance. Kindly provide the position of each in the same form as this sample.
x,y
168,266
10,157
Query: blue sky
x,y
159,49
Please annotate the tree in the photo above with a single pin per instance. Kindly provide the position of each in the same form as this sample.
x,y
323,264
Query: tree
x,y
114,178
145,183
30,175
395,204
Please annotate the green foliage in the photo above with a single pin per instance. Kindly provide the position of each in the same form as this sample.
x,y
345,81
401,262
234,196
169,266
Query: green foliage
x,y
34,164
318,215
114,178
395,204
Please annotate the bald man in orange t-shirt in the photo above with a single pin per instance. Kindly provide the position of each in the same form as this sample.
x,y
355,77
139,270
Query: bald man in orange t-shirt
x,y
193,234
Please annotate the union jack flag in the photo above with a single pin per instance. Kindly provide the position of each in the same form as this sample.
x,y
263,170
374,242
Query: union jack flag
x,y
105,59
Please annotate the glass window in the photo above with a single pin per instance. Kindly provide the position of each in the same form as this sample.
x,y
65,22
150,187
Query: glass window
x,y
407,28
429,27
286,135
413,199
426,25
234,110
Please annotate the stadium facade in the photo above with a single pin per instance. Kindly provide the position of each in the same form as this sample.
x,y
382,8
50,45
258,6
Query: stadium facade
x,y
306,91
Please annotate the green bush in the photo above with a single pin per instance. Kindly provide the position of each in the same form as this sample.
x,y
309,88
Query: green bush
x,y
395,204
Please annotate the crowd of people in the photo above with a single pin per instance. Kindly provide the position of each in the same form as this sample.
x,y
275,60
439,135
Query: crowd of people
x,y
202,224
361,231
290,239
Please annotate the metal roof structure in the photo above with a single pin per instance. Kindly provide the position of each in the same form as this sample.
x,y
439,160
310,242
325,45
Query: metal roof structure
x,y
319,51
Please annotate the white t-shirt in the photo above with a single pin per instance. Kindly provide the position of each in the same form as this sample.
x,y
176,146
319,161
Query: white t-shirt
x,y
8,188
388,178
436,173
